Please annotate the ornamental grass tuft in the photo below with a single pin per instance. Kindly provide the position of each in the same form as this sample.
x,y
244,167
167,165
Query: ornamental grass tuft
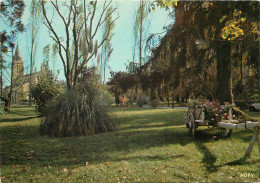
x,y
76,112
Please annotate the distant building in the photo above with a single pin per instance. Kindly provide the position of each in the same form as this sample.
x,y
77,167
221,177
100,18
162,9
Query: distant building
x,y
20,80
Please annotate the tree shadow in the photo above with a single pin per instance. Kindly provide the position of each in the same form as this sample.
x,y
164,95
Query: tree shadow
x,y
17,119
152,158
245,135
240,161
209,159
143,133
98,147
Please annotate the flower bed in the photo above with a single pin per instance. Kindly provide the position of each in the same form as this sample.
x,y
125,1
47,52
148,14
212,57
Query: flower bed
x,y
214,112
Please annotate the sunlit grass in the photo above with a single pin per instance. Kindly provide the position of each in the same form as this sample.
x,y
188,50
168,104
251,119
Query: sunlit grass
x,y
150,145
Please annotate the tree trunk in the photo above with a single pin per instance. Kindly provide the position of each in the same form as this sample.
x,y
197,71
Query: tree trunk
x,y
104,73
259,74
7,101
117,100
30,76
173,97
141,32
1,79
224,79
168,101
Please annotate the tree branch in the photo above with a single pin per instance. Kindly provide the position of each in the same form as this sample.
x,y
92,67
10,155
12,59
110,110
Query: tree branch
x,y
91,21
100,18
55,34
102,42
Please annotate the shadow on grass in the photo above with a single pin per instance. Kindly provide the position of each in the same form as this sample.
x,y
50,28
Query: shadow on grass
x,y
97,148
245,135
17,119
240,161
152,158
209,159
142,133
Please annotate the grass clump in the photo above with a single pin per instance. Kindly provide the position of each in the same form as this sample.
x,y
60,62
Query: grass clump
x,y
76,112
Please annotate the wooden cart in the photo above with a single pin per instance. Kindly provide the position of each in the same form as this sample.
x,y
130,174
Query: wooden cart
x,y
196,117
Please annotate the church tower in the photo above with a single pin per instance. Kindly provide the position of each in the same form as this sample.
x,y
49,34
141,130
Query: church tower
x,y
18,67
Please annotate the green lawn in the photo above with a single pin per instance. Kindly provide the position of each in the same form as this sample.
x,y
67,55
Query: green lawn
x,y
150,145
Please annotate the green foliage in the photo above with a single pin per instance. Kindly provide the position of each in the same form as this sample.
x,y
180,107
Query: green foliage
x,y
194,103
11,14
45,90
21,94
141,99
2,112
163,4
106,98
236,26
154,102
194,60
242,104
46,52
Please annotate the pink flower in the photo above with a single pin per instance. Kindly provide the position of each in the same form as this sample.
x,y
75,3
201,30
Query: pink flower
x,y
234,115
216,114
228,117
214,137
220,110
225,114
216,109
212,119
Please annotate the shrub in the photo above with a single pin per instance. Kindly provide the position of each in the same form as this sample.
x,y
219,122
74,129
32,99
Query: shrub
x,y
2,112
45,90
79,111
106,97
154,102
242,104
74,113
142,99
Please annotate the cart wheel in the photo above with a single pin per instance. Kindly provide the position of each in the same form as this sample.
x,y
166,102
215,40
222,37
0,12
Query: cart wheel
x,y
226,132
192,124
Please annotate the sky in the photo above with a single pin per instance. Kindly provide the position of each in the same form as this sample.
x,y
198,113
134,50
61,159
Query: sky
x,y
122,41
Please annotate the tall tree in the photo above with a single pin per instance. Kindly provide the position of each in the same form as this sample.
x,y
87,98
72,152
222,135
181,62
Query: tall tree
x,y
46,53
140,26
11,12
81,40
107,46
34,24
203,38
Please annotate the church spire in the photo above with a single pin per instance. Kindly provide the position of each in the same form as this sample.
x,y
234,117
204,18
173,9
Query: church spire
x,y
17,53
18,67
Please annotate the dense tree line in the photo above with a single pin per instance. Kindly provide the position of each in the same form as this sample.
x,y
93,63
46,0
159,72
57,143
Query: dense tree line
x,y
211,51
